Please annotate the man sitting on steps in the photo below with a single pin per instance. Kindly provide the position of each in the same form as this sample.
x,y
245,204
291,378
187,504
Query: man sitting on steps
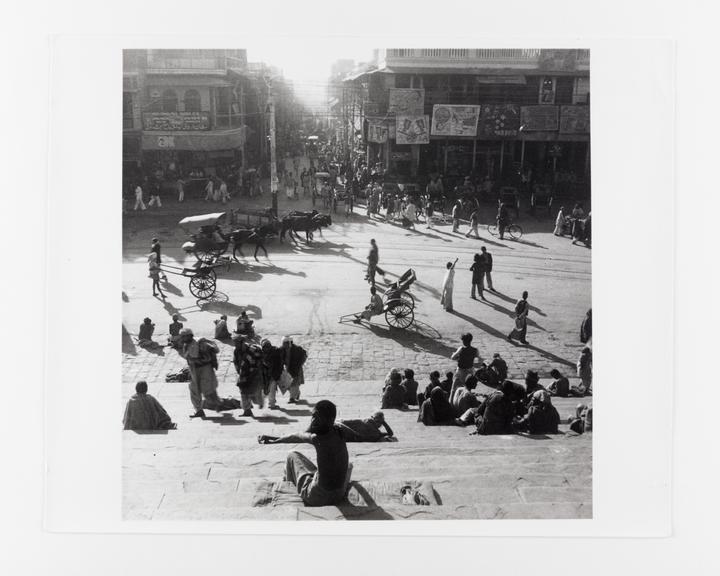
x,y
326,484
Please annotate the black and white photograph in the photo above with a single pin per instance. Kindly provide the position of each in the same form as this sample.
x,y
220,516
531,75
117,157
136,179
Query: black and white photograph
x,y
356,284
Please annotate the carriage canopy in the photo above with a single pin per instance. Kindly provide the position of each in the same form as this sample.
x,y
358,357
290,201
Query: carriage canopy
x,y
194,222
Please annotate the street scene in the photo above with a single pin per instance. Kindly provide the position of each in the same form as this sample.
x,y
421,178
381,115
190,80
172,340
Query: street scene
x,y
358,294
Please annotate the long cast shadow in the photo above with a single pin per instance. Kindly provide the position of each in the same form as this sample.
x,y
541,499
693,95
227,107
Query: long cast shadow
x,y
511,300
413,341
550,356
128,346
481,325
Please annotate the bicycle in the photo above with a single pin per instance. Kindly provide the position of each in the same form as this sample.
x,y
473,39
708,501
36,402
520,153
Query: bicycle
x,y
513,230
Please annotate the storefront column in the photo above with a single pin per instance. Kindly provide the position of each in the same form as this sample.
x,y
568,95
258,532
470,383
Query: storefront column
x,y
502,155
415,151
445,157
474,153
387,155
587,160
522,154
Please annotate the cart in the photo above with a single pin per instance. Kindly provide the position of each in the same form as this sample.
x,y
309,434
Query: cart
x,y
398,303
203,278
209,242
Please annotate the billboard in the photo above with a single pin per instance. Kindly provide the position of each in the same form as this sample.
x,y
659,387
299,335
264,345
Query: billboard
x,y
454,120
413,129
406,101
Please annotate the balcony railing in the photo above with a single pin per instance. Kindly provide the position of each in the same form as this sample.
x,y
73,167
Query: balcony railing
x,y
491,56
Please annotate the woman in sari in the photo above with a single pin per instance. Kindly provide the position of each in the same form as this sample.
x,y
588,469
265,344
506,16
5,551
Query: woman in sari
x,y
560,223
447,288
437,410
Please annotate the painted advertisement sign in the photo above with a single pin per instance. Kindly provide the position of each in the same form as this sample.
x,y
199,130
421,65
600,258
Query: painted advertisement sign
x,y
454,120
413,129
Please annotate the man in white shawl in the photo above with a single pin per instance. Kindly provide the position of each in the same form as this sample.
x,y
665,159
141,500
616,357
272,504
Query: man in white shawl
x,y
560,223
447,288
144,412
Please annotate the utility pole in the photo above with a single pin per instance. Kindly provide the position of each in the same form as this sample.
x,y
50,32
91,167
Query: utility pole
x,y
273,159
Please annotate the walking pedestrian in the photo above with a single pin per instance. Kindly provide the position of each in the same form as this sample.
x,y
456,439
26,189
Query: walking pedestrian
x,y
473,225
447,287
428,212
155,247
294,358
560,223
487,260
180,185
457,208
209,192
139,198
521,311
155,194
272,366
201,356
154,273
477,270
373,259
584,370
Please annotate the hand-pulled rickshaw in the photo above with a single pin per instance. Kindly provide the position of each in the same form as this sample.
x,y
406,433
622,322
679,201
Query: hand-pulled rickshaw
x,y
398,303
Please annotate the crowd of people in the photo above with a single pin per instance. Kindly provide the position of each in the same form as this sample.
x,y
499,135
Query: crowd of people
x,y
576,225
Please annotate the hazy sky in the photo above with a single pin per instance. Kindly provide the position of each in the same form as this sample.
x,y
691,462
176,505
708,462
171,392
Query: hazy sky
x,y
307,62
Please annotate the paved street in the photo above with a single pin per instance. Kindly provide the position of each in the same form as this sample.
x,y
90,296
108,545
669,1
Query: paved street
x,y
303,290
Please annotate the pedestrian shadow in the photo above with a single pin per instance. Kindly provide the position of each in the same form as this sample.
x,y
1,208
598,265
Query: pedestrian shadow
x,y
274,269
219,304
171,310
246,275
414,341
158,350
275,419
429,235
169,287
128,346
533,244
224,420
481,325
496,243
292,412
150,432
550,356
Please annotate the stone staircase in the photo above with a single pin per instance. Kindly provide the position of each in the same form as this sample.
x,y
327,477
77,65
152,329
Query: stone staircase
x,y
214,469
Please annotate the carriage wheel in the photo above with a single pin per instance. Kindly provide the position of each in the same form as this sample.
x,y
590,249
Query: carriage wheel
x,y
399,315
515,231
408,298
206,255
202,286
492,228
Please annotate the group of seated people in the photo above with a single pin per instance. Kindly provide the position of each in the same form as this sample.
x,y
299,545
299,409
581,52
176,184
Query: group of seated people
x,y
243,327
510,408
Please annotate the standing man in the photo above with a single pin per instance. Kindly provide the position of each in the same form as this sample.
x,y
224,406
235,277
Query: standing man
x,y
457,208
223,191
478,271
473,224
503,219
294,358
155,247
326,483
447,287
180,185
247,359
139,198
201,356
428,211
521,311
272,366
373,258
486,260
465,357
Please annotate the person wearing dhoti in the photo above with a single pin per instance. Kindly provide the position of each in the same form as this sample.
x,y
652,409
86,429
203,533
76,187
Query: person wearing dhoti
x,y
521,311
201,356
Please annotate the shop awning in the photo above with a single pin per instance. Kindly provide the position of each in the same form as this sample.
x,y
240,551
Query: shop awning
x,y
206,141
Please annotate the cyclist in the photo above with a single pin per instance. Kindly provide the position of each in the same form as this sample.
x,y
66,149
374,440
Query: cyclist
x,y
503,219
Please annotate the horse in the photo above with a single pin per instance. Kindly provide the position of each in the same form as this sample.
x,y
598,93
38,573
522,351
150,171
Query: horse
x,y
256,236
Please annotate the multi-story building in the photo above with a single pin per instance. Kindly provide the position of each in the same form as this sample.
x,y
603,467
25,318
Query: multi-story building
x,y
197,110
491,112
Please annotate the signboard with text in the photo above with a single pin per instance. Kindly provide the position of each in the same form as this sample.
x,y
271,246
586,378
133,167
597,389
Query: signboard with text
x,y
377,132
176,121
454,120
539,118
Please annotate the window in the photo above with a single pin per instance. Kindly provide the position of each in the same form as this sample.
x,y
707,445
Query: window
x,y
547,91
192,101
581,91
169,101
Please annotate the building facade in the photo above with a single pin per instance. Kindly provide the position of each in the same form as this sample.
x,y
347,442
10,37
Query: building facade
x,y
194,111
492,113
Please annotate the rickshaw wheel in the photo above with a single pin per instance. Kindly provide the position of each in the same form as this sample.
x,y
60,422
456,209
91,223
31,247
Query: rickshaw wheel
x,y
492,229
399,314
514,231
202,285
206,256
